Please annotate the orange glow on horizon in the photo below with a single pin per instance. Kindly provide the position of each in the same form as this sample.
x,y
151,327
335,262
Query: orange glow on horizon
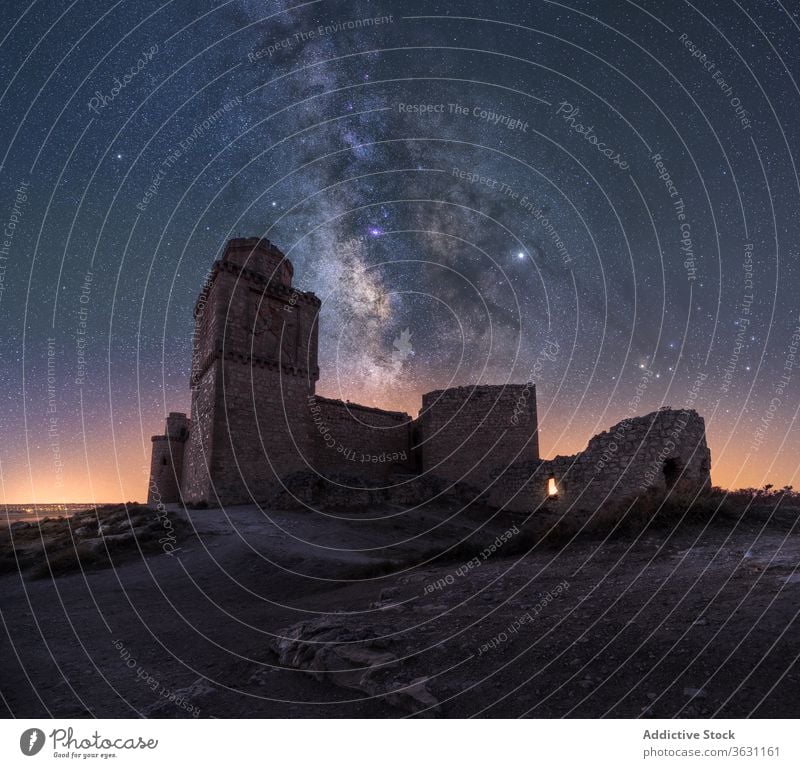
x,y
112,472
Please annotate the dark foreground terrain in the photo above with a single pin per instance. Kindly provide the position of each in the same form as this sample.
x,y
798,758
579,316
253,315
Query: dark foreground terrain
x,y
297,614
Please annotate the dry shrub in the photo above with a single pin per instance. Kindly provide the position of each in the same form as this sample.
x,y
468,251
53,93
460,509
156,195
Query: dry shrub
x,y
88,540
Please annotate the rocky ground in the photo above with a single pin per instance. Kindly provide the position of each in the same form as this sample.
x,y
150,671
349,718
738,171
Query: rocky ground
x,y
384,613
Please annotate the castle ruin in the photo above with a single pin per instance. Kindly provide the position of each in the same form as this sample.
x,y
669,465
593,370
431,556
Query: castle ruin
x,y
256,419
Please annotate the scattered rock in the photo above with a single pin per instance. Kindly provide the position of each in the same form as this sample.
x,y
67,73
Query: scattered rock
x,y
352,657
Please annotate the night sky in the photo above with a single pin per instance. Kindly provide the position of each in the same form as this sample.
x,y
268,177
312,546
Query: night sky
x,y
598,196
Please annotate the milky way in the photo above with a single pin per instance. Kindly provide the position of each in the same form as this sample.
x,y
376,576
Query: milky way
x,y
463,185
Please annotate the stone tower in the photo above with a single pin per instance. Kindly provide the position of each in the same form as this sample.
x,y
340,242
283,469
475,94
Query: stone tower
x,y
254,365
166,464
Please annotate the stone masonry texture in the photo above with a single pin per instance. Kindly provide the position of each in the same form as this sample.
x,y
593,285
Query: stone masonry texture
x,y
257,423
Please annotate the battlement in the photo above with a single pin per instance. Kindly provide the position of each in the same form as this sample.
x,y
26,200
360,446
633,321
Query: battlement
x,y
260,256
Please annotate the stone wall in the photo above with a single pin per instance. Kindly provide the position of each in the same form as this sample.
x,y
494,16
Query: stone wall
x,y
466,433
664,453
356,438
196,480
254,364
260,433
163,485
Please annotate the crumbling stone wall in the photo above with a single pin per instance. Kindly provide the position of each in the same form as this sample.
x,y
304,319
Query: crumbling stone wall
x,y
664,453
469,432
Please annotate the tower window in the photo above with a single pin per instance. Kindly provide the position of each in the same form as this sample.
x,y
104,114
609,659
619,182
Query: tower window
x,y
164,461
552,487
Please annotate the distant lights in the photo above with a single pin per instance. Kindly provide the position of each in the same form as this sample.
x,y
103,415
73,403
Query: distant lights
x,y
521,255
